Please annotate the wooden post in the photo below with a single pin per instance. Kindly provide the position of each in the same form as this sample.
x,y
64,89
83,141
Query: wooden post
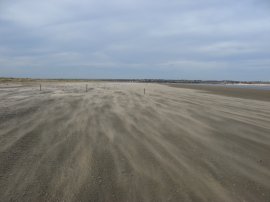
x,y
39,87
144,91
86,88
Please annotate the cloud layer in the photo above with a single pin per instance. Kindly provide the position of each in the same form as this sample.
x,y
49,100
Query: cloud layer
x,y
177,39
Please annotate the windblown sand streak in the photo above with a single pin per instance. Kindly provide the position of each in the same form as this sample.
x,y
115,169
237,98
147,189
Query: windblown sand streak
x,y
113,143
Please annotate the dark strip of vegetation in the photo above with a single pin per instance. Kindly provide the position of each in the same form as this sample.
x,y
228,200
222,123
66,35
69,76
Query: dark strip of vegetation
x,y
4,79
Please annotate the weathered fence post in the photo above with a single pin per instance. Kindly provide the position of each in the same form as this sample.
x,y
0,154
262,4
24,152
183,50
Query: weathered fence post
x,y
144,91
39,87
86,88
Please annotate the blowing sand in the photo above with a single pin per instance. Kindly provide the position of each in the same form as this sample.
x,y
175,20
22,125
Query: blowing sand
x,y
113,143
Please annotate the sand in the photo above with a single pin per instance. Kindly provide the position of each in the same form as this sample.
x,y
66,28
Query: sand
x,y
113,143
229,90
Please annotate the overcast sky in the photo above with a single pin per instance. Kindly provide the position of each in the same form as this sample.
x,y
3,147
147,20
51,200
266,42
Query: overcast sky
x,y
176,39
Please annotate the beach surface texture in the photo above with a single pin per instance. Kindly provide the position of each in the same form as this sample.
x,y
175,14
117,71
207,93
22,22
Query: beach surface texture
x,y
117,142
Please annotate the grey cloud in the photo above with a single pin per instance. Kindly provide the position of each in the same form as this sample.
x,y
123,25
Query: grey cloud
x,y
175,39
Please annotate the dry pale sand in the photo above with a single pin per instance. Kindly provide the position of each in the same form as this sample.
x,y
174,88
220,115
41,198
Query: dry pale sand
x,y
114,143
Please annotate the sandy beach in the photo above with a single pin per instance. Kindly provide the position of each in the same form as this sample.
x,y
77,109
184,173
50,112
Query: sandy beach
x,y
229,90
115,143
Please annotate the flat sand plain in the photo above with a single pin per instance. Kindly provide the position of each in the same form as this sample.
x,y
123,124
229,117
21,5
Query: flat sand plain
x,y
113,143
229,90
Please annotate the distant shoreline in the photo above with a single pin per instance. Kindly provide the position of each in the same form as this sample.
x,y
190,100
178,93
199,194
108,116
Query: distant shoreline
x,y
181,81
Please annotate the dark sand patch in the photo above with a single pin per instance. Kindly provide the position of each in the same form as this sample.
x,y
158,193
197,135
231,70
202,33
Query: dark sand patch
x,y
255,94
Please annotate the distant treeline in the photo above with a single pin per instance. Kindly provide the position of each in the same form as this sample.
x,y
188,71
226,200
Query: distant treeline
x,y
4,79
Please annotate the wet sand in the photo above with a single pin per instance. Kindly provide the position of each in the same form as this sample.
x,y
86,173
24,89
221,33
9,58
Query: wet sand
x,y
113,143
232,91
